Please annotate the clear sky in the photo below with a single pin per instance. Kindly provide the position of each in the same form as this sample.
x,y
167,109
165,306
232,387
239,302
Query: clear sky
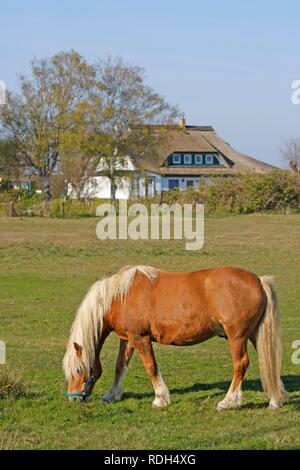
x,y
226,63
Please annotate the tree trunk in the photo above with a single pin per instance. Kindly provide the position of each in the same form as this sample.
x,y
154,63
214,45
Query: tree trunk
x,y
47,192
113,190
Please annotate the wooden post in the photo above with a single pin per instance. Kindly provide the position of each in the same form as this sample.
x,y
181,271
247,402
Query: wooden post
x,y
62,208
46,208
11,209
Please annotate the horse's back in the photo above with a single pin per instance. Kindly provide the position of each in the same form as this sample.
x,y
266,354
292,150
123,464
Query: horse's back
x,y
189,307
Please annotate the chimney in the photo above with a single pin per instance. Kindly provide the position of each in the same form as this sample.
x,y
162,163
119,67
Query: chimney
x,y
182,123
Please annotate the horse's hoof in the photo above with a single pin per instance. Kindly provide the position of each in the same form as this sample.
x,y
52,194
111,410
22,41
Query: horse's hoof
x,y
112,398
159,402
222,406
106,400
273,406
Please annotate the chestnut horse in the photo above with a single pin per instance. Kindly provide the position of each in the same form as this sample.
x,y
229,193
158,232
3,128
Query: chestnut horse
x,y
142,304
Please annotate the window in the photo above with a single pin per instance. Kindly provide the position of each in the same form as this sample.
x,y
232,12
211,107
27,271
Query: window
x,y
176,158
173,184
189,183
149,186
198,159
187,159
209,159
135,186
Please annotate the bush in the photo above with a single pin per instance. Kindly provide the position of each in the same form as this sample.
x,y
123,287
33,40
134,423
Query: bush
x,y
246,193
5,185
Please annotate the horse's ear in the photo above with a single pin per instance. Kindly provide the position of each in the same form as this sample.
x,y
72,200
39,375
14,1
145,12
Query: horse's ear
x,y
78,349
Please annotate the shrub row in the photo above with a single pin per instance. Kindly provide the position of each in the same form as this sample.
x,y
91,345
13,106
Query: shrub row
x,y
278,191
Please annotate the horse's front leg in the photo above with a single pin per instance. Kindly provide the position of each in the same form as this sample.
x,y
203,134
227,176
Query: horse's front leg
x,y
125,352
144,348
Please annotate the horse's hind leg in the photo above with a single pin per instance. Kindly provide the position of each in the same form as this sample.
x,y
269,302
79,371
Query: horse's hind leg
x,y
144,348
125,352
240,360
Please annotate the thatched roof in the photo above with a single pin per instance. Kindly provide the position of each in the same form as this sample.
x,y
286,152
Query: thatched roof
x,y
198,139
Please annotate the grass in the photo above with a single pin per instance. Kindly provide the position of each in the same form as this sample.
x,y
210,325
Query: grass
x,y
47,266
11,386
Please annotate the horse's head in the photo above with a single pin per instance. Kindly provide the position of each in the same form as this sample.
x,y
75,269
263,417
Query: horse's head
x,y
81,383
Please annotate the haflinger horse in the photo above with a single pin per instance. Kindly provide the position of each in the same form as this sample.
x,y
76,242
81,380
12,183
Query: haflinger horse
x,y
143,305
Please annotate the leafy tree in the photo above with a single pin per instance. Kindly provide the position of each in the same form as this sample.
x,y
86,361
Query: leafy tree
x,y
9,163
124,112
77,162
46,109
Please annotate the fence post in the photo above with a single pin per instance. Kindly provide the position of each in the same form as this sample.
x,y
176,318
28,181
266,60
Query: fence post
x,y
62,208
11,209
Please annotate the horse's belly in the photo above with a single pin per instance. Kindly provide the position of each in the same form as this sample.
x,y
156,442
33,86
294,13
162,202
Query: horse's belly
x,y
181,334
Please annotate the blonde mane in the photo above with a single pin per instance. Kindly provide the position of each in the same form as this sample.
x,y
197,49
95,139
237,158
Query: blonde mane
x,y
88,324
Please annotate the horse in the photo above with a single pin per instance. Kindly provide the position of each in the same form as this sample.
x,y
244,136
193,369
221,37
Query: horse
x,y
142,305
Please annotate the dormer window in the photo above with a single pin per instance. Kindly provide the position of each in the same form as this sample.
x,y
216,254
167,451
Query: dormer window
x,y
198,159
176,158
192,159
187,159
209,159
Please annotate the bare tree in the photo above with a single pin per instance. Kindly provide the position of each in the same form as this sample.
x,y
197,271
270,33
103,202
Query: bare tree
x,y
290,152
38,117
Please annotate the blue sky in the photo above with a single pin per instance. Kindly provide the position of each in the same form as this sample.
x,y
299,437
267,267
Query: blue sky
x,y
226,63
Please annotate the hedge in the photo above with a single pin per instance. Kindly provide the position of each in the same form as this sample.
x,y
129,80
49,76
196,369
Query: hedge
x,y
278,191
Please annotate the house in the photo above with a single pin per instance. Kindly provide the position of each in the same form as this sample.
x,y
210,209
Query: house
x,y
187,156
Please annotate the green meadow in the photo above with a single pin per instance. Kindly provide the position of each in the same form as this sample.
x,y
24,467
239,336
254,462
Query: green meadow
x,y
46,267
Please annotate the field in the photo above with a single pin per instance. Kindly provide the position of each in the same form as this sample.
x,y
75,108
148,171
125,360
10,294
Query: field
x,y
47,266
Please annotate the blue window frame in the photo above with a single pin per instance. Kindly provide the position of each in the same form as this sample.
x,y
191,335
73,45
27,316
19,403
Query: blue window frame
x,y
209,159
173,183
176,159
198,159
187,158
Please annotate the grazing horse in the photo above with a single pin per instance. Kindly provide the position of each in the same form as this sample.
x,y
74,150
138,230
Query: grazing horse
x,y
142,305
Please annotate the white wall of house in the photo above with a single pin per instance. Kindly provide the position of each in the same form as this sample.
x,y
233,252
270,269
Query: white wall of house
x,y
99,187
149,184
103,190
141,185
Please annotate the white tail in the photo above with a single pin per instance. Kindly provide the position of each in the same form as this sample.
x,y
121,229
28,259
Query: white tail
x,y
269,346
88,324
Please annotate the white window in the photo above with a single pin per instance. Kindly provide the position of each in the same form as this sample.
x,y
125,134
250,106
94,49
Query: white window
x,y
209,159
198,159
188,159
176,158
